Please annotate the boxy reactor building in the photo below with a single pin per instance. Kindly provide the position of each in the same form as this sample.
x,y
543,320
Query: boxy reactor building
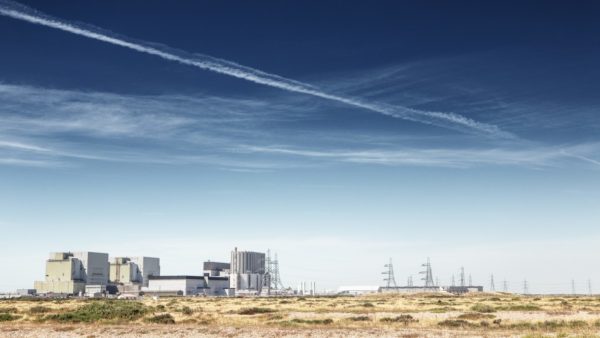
x,y
94,274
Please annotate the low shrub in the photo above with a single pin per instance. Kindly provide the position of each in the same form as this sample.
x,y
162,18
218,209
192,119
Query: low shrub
x,y
186,310
254,310
475,316
8,310
455,323
521,307
7,317
404,319
102,311
326,321
359,318
164,318
483,308
39,309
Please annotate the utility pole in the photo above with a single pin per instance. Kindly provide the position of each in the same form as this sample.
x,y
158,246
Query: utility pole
x,y
462,276
589,287
409,281
525,287
453,281
505,285
428,278
437,281
492,285
573,292
389,275
470,280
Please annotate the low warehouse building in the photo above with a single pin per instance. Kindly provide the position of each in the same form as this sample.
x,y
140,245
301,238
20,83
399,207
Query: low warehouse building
x,y
183,285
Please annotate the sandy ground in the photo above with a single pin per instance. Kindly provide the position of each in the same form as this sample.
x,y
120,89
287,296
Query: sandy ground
x,y
150,331
491,315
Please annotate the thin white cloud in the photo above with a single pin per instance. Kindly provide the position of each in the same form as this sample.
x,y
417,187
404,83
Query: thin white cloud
x,y
48,126
445,157
22,146
442,119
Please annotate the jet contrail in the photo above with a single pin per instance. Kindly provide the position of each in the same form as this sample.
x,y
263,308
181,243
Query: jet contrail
x,y
446,120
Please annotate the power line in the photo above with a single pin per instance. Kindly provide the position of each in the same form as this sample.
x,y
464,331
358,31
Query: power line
x,y
389,279
272,277
428,278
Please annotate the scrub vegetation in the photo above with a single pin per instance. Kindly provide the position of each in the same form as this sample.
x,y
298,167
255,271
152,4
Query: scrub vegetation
x,y
380,315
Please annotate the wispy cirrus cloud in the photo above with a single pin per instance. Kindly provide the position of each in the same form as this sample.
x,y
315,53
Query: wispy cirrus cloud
x,y
48,127
437,118
533,157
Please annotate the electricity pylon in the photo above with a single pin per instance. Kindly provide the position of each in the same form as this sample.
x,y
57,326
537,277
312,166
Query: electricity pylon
x,y
389,275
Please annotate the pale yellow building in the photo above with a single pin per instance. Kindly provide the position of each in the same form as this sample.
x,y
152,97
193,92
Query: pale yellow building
x,y
124,271
68,272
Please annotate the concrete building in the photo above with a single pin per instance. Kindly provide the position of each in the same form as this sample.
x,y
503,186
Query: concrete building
x,y
411,289
26,292
130,274
69,273
147,266
124,271
358,289
177,285
247,270
463,289
95,267
218,286
216,268
188,286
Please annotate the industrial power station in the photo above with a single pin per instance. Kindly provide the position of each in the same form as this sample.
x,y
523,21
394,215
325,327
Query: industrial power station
x,y
94,274
248,273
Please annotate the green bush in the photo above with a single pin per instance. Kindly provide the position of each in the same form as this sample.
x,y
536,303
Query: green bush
x,y
455,323
483,308
102,311
186,310
164,318
254,310
8,310
521,307
39,309
326,321
6,317
475,316
404,319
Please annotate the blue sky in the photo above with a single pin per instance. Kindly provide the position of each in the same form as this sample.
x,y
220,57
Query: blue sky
x,y
337,134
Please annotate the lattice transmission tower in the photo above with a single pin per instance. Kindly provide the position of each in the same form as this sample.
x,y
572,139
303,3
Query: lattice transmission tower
x,y
389,275
428,274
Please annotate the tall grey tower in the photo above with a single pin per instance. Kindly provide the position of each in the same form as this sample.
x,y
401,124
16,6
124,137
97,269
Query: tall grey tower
x,y
428,274
389,275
